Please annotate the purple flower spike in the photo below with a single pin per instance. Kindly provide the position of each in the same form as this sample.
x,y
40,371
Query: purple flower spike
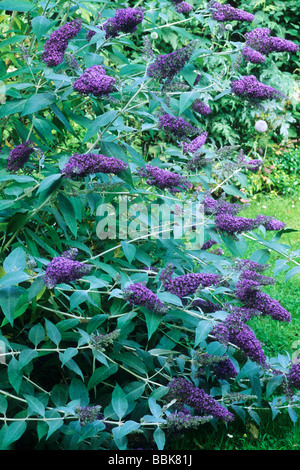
x,y
184,8
270,223
233,225
58,42
195,145
81,165
260,40
139,295
186,393
165,67
228,13
177,127
201,107
244,338
64,269
164,179
19,155
293,376
126,20
187,284
249,87
95,82
253,56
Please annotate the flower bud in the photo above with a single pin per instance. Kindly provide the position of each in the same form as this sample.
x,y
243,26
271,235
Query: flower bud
x,y
154,35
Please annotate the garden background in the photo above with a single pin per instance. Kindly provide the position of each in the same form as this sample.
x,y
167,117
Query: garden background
x,y
149,343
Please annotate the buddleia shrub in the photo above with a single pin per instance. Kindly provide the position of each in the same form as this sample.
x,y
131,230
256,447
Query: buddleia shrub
x,y
125,292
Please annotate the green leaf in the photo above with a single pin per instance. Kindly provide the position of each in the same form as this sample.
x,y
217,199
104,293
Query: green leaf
x,y
119,402
78,391
128,427
67,355
53,332
186,99
160,438
99,122
233,191
9,297
169,298
16,5
13,432
48,182
12,107
273,384
37,102
152,321
129,250
12,278
15,260
100,374
36,334
36,406
15,374
54,424
292,272
26,356
68,213
203,329
40,25
59,114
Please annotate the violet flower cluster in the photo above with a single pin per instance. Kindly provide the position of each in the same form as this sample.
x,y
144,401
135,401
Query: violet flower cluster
x,y
164,179
58,42
243,264
225,369
226,12
249,87
65,269
19,155
126,20
188,284
186,393
260,40
195,145
220,206
167,66
221,366
205,305
88,414
199,107
226,218
138,294
293,376
181,420
234,330
184,8
253,56
233,224
249,292
177,127
94,81
81,165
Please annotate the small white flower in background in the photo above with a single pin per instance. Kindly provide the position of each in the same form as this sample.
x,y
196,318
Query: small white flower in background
x,y
261,126
154,35
228,27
